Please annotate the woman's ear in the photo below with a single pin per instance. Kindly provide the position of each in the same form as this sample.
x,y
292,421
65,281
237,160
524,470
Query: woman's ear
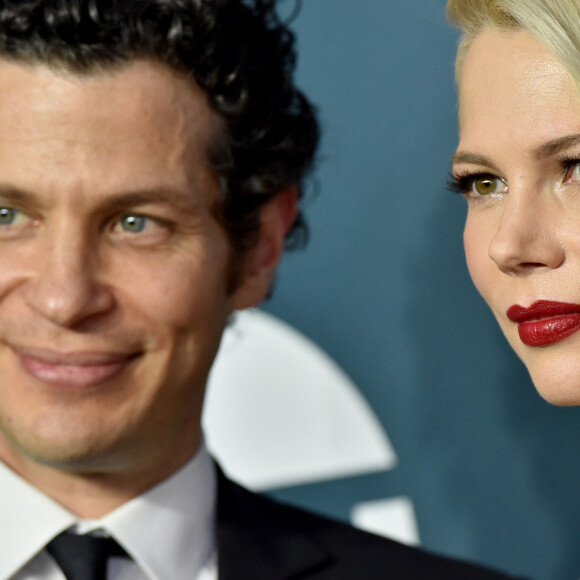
x,y
261,260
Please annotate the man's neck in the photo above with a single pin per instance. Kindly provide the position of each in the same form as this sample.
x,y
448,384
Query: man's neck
x,y
93,494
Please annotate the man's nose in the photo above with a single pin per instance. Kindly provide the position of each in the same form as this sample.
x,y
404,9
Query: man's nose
x,y
527,236
65,287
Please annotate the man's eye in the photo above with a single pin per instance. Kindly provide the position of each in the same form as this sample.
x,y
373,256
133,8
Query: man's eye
x,y
11,217
488,184
7,216
133,224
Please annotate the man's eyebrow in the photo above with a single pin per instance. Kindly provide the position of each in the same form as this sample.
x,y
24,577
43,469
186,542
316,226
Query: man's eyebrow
x,y
555,146
158,195
165,195
473,159
9,193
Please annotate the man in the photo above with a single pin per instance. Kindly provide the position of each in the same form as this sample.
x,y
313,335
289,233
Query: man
x,y
151,160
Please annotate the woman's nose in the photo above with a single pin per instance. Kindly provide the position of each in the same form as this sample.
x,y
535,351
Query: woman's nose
x,y
527,237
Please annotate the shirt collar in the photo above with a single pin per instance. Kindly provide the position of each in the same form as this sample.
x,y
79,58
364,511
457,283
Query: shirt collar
x,y
31,520
169,530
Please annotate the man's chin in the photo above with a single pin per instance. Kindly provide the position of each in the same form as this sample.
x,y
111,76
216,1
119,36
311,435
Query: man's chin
x,y
74,455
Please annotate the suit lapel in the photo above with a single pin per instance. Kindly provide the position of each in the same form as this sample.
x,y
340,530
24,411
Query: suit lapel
x,y
261,540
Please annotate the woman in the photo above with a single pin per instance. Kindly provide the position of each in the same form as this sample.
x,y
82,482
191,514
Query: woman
x,y
518,165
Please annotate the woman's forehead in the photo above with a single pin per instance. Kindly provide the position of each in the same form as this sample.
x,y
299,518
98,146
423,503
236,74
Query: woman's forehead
x,y
511,84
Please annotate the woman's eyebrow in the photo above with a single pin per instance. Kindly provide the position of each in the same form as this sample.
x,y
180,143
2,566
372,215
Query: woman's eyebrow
x,y
473,159
554,146
543,151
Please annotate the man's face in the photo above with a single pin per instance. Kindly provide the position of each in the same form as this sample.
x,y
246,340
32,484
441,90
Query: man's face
x,y
112,283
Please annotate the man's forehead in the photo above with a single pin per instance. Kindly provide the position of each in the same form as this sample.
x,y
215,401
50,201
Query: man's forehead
x,y
148,93
141,127
148,72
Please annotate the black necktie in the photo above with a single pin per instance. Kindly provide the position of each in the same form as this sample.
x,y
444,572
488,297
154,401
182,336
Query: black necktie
x,y
83,557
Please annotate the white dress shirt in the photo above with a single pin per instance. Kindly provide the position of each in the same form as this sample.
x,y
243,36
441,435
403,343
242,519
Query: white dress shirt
x,y
169,531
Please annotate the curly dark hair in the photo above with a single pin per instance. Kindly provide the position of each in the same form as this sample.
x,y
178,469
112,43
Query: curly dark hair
x,y
239,52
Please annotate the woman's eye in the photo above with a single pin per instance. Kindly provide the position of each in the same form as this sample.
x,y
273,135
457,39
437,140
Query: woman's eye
x,y
488,184
573,173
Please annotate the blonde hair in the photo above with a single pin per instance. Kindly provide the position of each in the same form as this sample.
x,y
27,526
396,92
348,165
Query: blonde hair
x,y
555,23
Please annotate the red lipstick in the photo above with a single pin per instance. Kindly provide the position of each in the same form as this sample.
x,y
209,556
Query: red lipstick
x,y
545,322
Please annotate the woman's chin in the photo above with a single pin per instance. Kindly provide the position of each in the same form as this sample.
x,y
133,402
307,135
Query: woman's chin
x,y
560,389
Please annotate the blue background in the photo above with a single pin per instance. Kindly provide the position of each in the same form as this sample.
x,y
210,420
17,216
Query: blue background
x,y
492,469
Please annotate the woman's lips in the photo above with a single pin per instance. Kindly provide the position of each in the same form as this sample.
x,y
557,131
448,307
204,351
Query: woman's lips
x,y
545,322
75,370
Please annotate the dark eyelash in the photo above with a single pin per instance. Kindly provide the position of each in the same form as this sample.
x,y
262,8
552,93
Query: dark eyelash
x,y
462,183
566,161
456,184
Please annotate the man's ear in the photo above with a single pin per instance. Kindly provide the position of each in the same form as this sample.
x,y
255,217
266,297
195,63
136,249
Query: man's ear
x,y
261,261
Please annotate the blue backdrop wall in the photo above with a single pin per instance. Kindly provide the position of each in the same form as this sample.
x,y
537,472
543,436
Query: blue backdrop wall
x,y
491,468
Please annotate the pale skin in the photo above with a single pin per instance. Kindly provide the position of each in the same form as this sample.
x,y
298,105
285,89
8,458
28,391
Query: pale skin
x,y
520,143
113,292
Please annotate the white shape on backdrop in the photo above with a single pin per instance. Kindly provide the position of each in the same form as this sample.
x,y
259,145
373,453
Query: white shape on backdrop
x,y
280,412
393,517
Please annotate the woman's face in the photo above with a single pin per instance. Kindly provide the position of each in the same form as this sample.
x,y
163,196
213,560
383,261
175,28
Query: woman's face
x,y
518,163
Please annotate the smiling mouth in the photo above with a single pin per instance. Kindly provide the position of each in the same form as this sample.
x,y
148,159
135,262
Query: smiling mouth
x,y
73,369
545,322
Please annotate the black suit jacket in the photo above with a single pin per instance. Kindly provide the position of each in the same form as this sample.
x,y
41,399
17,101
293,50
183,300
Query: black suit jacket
x,y
259,539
